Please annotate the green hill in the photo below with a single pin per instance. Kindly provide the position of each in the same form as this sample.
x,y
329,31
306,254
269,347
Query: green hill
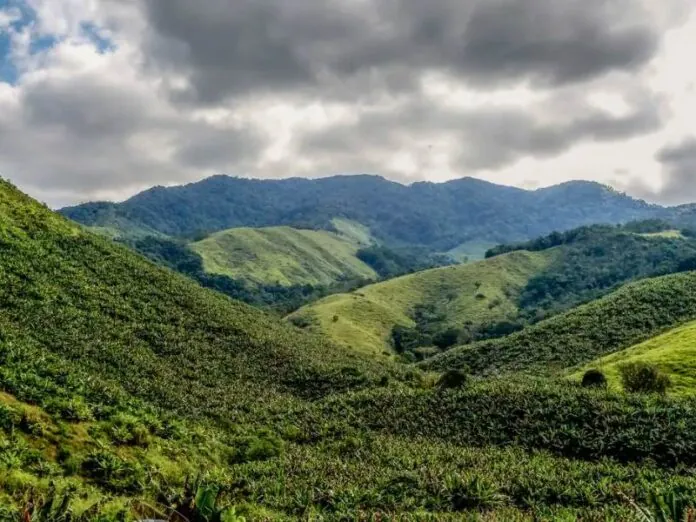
x,y
635,312
477,293
673,352
440,216
283,256
127,392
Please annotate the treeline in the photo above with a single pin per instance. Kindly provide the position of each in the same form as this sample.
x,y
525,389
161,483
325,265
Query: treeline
x,y
391,262
554,239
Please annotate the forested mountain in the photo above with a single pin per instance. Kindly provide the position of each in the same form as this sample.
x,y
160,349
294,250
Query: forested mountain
x,y
127,392
440,216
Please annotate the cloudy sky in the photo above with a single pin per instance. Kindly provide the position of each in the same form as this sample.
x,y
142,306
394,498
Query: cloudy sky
x,y
102,98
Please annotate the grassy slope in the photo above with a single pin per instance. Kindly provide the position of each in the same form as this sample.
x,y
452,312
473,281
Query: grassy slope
x,y
99,307
630,315
471,250
477,292
674,352
282,255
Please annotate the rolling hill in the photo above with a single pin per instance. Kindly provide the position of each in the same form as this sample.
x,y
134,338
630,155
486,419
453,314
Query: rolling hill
x,y
127,391
673,352
475,293
517,285
444,216
283,256
630,315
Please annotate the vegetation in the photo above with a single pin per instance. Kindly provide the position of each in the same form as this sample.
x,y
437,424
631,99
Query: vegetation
x,y
672,353
640,377
594,379
463,297
129,392
439,216
177,255
628,316
283,256
598,259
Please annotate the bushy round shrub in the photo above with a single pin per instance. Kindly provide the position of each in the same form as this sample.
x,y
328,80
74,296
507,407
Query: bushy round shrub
x,y
453,379
641,377
594,379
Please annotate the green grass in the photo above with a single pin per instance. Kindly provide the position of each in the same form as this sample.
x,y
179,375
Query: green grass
x,y
673,352
669,234
354,231
478,292
283,255
471,250
630,315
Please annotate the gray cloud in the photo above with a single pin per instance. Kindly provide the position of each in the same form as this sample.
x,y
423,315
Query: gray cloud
x,y
230,48
91,134
679,178
481,138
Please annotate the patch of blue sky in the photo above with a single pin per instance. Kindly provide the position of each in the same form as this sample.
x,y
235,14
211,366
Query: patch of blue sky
x,y
9,72
96,36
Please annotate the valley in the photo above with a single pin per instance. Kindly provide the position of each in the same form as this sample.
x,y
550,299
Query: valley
x,y
401,385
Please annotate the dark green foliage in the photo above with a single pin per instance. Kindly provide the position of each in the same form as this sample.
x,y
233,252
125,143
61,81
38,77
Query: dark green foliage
x,y
624,318
594,379
388,262
440,216
567,420
641,377
673,506
452,379
597,259
446,339
114,473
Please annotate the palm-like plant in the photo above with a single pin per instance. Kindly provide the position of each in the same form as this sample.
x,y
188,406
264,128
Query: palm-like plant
x,y
670,507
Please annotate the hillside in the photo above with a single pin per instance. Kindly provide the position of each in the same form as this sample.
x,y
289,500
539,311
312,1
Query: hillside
x,y
441,216
283,256
473,294
632,314
544,277
673,352
128,392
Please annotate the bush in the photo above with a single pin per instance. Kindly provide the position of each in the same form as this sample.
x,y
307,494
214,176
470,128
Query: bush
x,y
594,379
639,377
452,379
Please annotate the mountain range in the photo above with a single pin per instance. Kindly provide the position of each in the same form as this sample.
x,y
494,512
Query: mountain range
x,y
440,216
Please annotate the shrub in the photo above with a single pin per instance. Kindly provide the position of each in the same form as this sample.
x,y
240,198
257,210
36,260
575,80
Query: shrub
x,y
452,379
640,377
114,473
446,339
594,379
71,410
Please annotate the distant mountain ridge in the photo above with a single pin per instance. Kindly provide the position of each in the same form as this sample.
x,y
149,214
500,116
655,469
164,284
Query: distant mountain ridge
x,y
437,215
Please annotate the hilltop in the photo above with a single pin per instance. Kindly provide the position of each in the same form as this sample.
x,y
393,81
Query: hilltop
x,y
442,217
283,256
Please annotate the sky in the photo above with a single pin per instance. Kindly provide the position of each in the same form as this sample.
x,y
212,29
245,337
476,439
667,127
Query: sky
x,y
100,99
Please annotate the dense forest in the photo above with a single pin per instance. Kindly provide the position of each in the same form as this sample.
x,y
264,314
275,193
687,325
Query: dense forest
x,y
439,216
